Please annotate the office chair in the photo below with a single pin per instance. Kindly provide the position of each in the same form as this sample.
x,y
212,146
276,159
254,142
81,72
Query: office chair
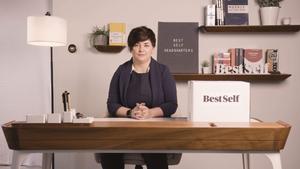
x,y
137,159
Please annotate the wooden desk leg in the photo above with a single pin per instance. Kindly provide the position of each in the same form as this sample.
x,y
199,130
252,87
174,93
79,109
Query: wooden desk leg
x,y
47,160
18,158
275,160
246,160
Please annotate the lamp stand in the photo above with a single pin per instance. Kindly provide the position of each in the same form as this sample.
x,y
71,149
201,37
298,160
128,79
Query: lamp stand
x,y
51,76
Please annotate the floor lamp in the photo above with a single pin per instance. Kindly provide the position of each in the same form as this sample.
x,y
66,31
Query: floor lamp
x,y
48,31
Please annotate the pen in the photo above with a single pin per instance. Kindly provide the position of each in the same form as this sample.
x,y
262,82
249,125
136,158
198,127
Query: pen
x,y
68,101
64,98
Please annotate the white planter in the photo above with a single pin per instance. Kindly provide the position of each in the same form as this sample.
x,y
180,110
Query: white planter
x,y
269,15
205,70
101,40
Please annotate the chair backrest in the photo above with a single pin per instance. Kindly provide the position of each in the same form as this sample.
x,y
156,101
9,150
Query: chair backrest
x,y
137,159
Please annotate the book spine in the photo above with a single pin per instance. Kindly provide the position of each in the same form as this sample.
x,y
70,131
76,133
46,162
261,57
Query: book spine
x,y
218,11
221,12
241,56
237,57
232,56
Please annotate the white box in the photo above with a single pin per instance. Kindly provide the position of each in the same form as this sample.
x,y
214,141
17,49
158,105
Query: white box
x,y
39,118
210,15
69,116
210,10
219,101
210,21
54,118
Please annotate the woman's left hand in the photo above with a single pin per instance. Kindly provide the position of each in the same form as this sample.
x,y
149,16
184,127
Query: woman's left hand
x,y
145,112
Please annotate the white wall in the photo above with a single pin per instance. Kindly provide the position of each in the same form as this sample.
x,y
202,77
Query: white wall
x,y
87,73
24,73
24,69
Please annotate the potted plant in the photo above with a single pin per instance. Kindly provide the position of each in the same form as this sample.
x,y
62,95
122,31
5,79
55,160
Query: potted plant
x,y
205,67
269,10
99,37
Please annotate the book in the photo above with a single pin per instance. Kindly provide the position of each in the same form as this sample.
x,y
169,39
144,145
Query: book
x,y
219,12
236,12
117,34
210,15
239,56
272,60
178,46
254,61
221,62
232,56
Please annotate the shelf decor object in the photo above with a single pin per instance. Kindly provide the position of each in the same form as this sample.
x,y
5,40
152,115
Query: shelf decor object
x,y
269,15
178,46
250,28
100,40
232,77
269,11
108,48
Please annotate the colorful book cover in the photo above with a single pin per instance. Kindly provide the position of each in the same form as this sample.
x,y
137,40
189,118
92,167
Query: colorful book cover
x,y
178,46
254,61
221,61
117,34
272,58
253,56
236,12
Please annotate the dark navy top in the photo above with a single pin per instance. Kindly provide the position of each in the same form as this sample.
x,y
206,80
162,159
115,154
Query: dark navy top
x,y
162,83
139,90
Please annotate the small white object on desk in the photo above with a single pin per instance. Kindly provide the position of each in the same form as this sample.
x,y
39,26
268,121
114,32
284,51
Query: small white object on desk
x,y
38,118
69,116
286,21
54,118
83,120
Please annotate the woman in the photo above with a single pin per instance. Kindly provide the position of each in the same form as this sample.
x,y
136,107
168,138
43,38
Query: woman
x,y
141,88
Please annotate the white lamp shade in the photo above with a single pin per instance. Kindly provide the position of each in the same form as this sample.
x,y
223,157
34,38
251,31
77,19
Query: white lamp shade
x,y
46,31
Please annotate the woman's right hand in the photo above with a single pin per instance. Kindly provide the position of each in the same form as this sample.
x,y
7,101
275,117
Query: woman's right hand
x,y
137,112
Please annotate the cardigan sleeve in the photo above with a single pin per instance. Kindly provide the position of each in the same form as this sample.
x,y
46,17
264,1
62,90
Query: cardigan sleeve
x,y
169,106
113,101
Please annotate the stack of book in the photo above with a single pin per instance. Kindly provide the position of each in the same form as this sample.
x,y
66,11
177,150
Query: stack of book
x,y
228,12
246,61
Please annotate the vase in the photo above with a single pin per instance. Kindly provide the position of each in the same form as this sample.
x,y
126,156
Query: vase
x,y
205,70
101,40
269,15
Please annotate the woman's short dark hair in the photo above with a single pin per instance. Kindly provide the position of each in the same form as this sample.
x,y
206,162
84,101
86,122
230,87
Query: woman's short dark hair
x,y
140,34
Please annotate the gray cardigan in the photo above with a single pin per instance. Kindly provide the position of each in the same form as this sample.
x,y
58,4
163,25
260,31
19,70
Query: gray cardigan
x,y
162,84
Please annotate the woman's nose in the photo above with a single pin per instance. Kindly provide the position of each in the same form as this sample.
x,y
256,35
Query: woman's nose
x,y
141,48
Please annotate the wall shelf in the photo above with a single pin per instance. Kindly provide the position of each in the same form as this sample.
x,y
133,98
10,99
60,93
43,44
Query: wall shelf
x,y
107,48
250,28
232,77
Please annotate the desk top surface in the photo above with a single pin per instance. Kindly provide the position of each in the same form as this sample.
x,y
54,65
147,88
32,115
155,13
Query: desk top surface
x,y
151,123
158,134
